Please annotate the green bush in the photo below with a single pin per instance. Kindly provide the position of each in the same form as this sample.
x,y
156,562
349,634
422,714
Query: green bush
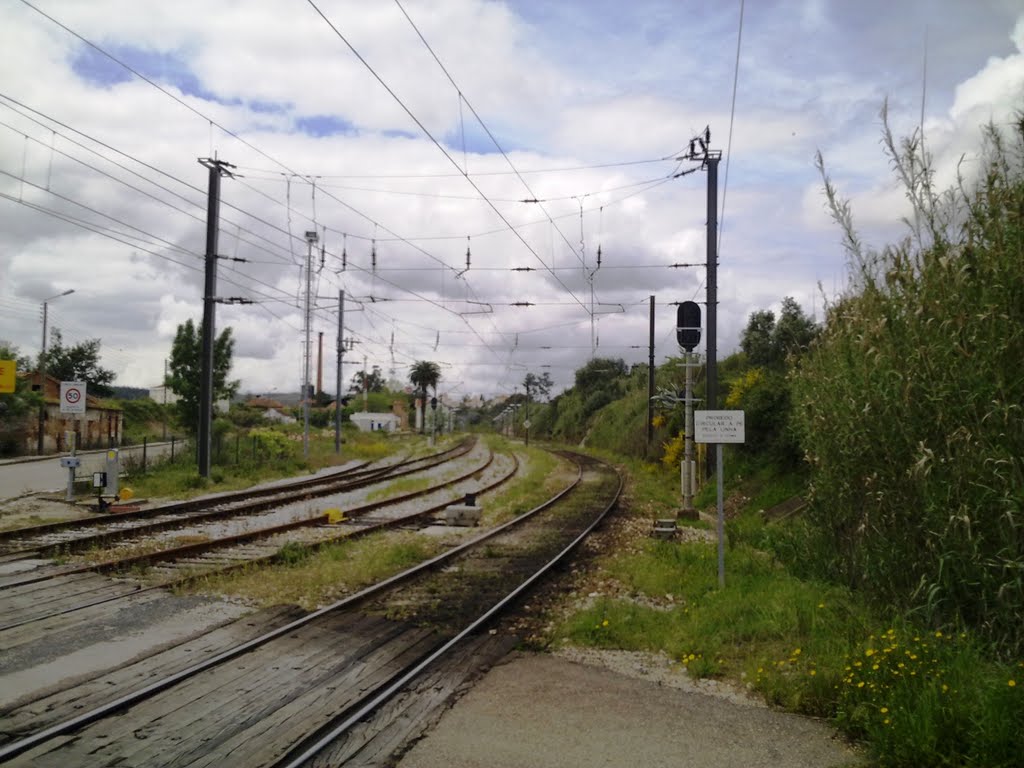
x,y
911,408
270,442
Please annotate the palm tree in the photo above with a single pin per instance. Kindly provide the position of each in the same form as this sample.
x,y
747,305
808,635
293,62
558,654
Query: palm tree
x,y
423,374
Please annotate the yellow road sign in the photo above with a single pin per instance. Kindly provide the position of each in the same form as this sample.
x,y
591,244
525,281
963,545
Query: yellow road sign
x,y
8,368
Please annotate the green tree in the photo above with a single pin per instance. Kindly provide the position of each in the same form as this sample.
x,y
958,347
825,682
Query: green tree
x,y
794,331
16,407
756,340
424,374
538,386
185,370
373,381
79,362
767,342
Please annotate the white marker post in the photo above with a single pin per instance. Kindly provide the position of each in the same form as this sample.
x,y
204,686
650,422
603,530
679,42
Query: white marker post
x,y
72,401
719,427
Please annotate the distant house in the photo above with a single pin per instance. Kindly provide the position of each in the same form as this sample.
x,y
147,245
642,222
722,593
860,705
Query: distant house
x,y
272,414
272,409
100,426
376,422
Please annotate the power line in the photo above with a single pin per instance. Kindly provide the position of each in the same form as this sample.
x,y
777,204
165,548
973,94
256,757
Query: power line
x,y
436,143
398,176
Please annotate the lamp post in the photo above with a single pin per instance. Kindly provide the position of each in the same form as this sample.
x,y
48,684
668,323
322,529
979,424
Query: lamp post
x,y
42,369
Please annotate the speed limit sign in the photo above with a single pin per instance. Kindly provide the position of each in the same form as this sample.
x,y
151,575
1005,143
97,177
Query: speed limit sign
x,y
72,397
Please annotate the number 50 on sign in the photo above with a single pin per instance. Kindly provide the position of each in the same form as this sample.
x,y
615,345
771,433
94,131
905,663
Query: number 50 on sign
x,y
72,397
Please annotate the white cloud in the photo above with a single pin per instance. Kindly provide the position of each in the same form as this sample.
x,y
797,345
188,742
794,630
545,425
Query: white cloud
x,y
561,86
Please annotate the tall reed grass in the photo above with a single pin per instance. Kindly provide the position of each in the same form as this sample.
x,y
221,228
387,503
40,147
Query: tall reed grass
x,y
910,406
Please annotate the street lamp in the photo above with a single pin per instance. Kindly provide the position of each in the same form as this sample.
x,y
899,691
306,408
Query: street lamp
x,y
42,369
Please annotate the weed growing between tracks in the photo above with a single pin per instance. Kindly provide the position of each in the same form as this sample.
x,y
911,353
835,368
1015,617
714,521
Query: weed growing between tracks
x,y
917,697
311,579
104,554
541,475
398,487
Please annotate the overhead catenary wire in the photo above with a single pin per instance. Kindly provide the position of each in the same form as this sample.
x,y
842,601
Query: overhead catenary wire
x,y
381,268
211,122
430,136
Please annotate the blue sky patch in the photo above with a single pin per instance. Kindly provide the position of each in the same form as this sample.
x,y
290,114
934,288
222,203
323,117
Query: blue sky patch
x,y
269,107
164,67
394,133
477,141
94,67
319,126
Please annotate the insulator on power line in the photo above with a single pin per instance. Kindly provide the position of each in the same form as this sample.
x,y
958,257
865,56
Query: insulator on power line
x,y
599,256
373,255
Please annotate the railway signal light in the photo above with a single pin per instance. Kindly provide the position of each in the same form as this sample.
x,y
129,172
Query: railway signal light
x,y
688,325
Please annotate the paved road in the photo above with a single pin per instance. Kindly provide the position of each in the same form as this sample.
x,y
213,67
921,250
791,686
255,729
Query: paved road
x,y
19,477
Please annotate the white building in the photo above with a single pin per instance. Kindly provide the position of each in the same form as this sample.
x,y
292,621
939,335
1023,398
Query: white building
x,y
374,422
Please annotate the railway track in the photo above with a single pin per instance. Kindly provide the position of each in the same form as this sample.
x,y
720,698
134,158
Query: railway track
x,y
75,589
349,683
70,536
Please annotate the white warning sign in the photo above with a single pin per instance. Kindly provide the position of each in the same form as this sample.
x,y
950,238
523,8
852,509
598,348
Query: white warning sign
x,y
72,397
718,426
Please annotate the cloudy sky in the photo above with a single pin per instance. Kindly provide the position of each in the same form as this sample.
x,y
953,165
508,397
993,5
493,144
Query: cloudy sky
x,y
405,133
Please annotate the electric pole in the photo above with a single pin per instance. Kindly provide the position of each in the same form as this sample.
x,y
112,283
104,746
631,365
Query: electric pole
x,y
650,384
700,150
341,352
217,168
311,238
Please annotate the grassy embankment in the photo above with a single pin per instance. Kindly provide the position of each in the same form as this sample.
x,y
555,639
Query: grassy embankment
x,y
894,604
915,695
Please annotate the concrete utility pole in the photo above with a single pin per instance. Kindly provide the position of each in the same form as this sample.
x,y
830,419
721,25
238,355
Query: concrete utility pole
x,y
341,353
650,384
700,149
311,238
217,168
711,325
366,389
164,437
42,372
320,363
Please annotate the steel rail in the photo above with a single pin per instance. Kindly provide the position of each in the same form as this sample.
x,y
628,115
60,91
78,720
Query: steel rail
x,y
359,471
272,558
14,748
199,517
405,678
